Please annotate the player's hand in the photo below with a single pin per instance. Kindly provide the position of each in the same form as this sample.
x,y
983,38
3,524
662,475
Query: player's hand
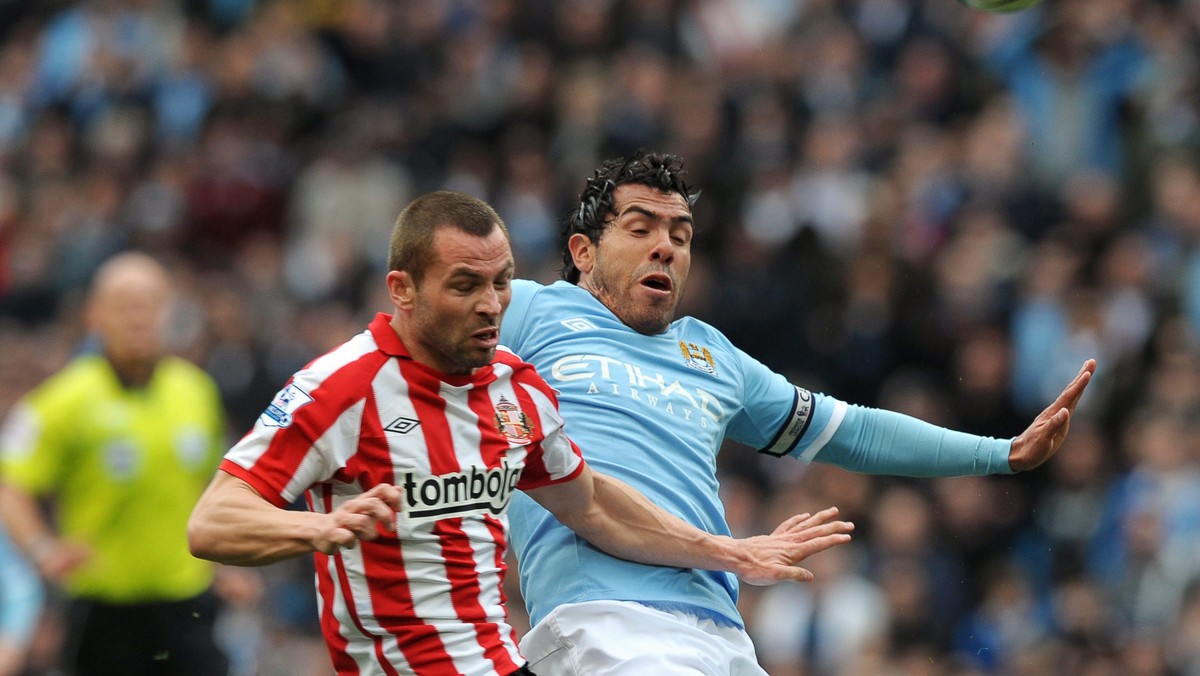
x,y
1042,439
773,558
358,519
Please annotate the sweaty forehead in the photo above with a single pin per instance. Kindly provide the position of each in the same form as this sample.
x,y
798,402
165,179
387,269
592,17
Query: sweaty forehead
x,y
670,205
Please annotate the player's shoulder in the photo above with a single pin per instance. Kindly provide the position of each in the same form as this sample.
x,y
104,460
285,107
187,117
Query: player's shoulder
x,y
522,371
360,356
529,290
505,356
527,286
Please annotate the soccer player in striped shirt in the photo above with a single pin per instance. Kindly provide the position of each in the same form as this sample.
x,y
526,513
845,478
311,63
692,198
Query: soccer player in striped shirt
x,y
408,442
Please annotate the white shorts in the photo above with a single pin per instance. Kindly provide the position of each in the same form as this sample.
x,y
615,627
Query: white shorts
x,y
604,638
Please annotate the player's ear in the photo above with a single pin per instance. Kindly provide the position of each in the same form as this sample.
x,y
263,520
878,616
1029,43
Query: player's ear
x,y
402,289
583,252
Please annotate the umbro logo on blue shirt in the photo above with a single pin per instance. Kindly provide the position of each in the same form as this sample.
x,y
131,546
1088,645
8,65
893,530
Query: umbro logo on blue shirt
x,y
578,324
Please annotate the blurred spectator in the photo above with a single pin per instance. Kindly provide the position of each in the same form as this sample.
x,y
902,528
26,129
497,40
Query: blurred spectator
x,y
1070,77
20,607
1183,641
1009,620
1066,520
827,627
1148,546
339,203
904,542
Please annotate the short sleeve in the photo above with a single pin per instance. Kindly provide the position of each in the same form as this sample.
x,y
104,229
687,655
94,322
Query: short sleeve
x,y
295,443
555,458
779,418
33,447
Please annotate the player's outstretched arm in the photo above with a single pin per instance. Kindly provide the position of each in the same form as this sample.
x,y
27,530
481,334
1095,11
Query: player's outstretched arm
x,y
618,519
233,524
1042,439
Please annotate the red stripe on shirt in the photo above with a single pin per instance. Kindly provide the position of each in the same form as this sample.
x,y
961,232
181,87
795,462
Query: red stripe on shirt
x,y
371,463
343,662
498,535
493,446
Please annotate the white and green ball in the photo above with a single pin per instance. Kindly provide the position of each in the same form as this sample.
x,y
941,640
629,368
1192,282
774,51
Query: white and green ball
x,y
1000,6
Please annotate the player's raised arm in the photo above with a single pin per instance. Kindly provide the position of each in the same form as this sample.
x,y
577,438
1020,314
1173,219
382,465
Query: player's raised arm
x,y
618,519
235,525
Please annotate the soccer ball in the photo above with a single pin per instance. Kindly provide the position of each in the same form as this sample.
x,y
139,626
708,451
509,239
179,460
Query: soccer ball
x,y
1000,6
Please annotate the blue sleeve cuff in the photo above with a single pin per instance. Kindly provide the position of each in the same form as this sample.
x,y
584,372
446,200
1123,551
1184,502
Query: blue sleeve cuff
x,y
875,441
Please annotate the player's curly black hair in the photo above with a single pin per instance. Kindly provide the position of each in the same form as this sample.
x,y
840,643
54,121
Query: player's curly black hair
x,y
661,171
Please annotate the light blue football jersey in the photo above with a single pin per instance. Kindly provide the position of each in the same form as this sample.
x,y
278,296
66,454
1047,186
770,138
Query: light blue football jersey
x,y
652,411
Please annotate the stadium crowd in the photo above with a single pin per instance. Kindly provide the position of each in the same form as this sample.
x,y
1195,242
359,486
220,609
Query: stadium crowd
x,y
906,203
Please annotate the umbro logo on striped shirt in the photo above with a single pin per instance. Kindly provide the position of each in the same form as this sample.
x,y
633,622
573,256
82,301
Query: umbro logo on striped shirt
x,y
402,425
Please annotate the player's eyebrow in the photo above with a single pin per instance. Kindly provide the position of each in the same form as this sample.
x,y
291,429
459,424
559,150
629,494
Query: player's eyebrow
x,y
464,270
654,215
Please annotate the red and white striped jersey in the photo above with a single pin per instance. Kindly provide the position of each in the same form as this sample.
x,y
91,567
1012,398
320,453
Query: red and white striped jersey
x,y
429,599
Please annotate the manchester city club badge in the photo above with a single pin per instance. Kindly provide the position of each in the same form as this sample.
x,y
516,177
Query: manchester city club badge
x,y
698,358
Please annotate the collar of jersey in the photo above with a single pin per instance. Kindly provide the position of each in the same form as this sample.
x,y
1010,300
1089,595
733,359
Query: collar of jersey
x,y
390,344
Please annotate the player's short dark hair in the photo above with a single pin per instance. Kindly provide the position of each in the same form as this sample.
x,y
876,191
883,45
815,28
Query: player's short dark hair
x,y
412,237
661,171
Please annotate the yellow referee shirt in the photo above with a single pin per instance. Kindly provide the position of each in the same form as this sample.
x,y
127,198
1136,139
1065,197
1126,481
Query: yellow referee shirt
x,y
124,468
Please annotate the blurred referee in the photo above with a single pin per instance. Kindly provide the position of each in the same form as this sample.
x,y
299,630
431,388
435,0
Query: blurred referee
x,y
122,441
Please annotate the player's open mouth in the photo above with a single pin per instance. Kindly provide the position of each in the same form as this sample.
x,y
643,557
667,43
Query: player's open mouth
x,y
489,337
657,282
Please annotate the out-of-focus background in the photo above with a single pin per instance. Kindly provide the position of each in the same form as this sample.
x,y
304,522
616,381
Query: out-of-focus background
x,y
906,204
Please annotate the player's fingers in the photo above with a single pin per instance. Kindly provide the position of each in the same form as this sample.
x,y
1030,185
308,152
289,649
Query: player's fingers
x,y
1074,390
822,516
803,550
795,574
362,526
387,493
814,532
338,538
791,523
779,573
374,508
802,522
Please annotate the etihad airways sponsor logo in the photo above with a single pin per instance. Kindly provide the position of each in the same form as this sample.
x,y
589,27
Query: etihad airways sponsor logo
x,y
605,375
460,493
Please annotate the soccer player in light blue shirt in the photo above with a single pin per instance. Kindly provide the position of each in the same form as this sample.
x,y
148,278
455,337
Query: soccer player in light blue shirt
x,y
650,399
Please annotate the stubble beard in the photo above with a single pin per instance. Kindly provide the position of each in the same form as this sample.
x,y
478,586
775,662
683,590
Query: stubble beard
x,y
645,319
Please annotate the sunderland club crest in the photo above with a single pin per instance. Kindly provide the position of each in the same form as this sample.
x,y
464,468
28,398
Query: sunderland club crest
x,y
512,422
698,358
